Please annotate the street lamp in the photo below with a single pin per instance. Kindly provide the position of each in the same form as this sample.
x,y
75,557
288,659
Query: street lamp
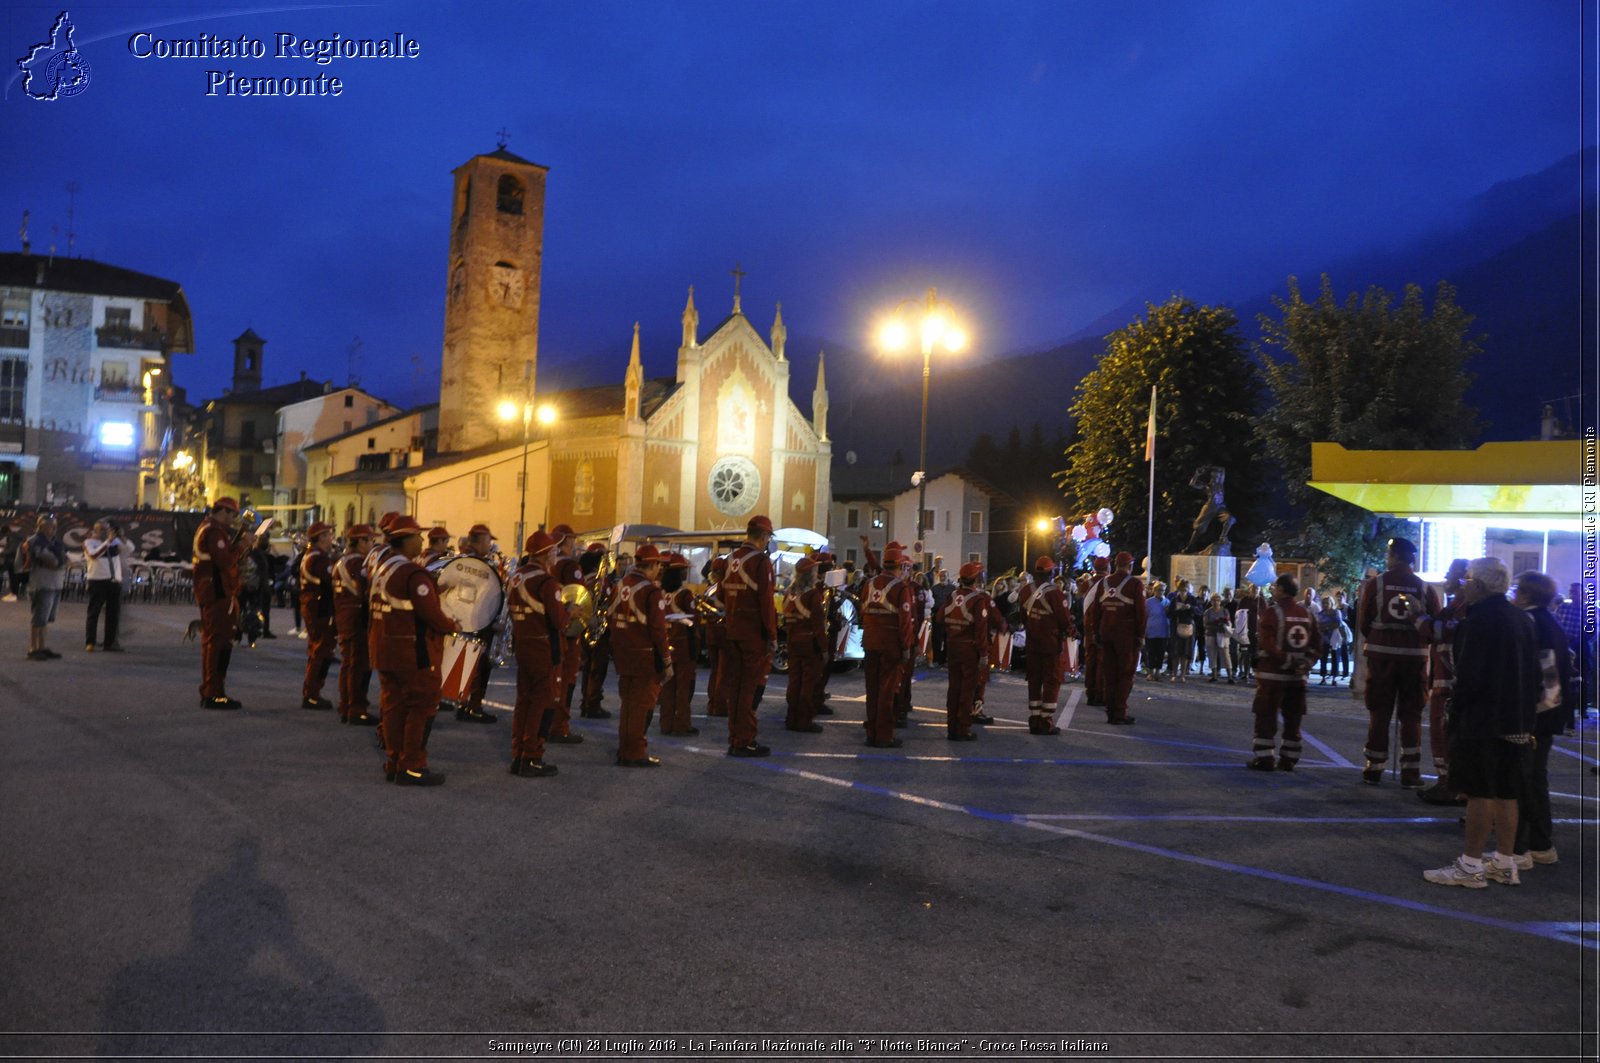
x,y
1041,524
935,320
547,415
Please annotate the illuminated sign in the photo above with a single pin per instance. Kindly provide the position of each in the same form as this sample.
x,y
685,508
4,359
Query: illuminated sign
x,y
116,434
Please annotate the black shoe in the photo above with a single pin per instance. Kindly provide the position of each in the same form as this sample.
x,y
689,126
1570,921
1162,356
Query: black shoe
x,y
1260,764
37,655
810,728
1285,764
893,743
50,655
952,737
535,769
565,740
982,717
1372,776
642,762
824,711
268,635
475,716
221,703
315,703
684,732
388,776
595,714
115,647
1124,721
424,777
1440,793
361,719
754,749
900,721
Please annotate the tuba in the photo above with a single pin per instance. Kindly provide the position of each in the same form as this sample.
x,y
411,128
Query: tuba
x,y
595,629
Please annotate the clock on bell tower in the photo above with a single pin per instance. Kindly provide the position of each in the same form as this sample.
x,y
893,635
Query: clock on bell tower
x,y
491,317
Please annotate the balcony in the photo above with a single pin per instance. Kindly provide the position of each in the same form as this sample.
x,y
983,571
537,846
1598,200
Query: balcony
x,y
125,337
118,392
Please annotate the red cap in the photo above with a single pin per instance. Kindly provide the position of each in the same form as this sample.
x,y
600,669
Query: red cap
x,y
648,554
539,542
892,556
895,544
1044,564
386,520
760,523
1124,558
359,531
402,526
805,564
317,529
971,570
719,565
676,560
439,532
225,503
1099,563
562,531
595,548
480,529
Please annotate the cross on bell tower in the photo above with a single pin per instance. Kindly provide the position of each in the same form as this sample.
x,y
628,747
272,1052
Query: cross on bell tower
x,y
738,275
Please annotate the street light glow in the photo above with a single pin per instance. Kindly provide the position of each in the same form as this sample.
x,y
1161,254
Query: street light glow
x,y
955,339
1043,524
548,414
507,410
893,335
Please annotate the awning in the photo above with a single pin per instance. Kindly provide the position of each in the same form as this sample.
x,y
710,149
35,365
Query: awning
x,y
1536,480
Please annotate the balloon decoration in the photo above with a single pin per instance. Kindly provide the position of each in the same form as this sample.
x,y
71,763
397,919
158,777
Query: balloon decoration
x,y
1264,571
1090,537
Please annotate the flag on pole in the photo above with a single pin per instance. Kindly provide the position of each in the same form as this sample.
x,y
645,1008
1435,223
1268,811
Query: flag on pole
x,y
1150,431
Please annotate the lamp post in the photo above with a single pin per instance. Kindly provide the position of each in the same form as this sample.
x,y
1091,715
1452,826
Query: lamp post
x,y
546,414
938,326
1041,524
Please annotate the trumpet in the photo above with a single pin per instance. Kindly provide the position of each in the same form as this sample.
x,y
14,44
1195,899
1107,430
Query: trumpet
x,y
709,610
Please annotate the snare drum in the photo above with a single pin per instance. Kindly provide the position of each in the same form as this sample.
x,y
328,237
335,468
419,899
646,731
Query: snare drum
x,y
461,656
470,591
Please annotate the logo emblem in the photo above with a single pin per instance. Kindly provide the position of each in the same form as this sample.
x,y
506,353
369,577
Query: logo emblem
x,y
1297,636
55,69
1396,607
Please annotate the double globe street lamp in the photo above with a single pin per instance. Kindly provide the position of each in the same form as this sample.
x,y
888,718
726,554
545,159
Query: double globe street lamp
x,y
934,320
509,410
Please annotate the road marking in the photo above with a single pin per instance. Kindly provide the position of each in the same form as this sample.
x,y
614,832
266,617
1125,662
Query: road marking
x,y
1574,754
1326,750
1115,817
1065,715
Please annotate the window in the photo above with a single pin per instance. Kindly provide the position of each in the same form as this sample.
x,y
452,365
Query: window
x,y
119,317
947,520
850,555
349,401
349,514
247,434
348,426
372,442
247,468
852,517
372,462
114,376
509,198
974,557
14,313
928,523
13,390
880,517
975,522
480,487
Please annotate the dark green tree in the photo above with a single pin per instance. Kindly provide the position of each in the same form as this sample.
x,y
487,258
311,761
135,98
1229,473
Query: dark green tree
x,y
1208,392
1371,375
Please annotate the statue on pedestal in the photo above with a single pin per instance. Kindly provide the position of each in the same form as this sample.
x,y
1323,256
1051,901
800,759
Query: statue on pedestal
x,y
1208,480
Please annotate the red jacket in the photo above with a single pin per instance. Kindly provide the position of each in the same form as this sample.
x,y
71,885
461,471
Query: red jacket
x,y
1122,609
538,617
407,626
316,584
216,563
350,585
1045,617
966,618
747,588
1289,643
887,622
805,622
638,627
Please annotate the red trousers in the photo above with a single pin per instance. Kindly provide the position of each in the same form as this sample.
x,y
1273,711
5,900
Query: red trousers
x,y
638,694
745,663
677,693
536,701
320,642
217,629
355,674
1044,680
1274,699
413,702
805,670
1094,684
1119,661
1395,684
561,726
961,658
596,663
883,682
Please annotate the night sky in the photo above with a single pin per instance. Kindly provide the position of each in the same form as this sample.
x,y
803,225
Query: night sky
x,y
1041,163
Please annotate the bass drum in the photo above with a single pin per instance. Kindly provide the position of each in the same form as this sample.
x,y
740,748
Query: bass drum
x,y
470,592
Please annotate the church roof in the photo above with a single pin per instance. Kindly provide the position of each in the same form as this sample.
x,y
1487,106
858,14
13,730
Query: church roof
x,y
502,155
606,400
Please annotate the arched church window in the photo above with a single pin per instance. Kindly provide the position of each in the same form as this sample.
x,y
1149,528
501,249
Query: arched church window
x,y
350,515
583,487
509,199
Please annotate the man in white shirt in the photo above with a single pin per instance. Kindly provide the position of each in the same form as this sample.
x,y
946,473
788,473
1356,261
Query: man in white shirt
x,y
102,556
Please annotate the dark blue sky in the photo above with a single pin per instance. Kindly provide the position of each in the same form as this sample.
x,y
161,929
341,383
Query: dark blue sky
x,y
1041,163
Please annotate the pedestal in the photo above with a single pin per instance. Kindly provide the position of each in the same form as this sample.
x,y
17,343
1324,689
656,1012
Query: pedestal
x,y
1203,570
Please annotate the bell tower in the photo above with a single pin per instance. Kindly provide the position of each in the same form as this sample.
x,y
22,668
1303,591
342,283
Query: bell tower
x,y
491,317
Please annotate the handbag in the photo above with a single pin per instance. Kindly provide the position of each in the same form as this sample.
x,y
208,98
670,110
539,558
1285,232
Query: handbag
x,y
1550,697
1186,631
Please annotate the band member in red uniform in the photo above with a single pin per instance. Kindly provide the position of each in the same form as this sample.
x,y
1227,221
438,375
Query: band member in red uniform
x,y
805,631
538,624
381,551
1094,687
408,630
638,627
1049,625
1397,661
480,544
1121,636
677,693
316,613
597,647
569,573
1440,632
1289,644
751,633
716,634
966,626
830,599
350,620
216,590
887,638
438,546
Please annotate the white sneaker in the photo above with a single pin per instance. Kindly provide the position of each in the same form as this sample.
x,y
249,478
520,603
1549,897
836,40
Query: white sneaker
x,y
301,634
9,598
1457,875
1506,876
1542,856
1522,861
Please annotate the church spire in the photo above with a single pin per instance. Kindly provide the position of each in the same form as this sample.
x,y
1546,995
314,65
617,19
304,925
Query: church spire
x,y
633,383
779,334
691,323
819,401
738,275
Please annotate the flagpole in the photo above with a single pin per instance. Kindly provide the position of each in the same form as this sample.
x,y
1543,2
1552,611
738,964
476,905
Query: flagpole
x,y
1150,525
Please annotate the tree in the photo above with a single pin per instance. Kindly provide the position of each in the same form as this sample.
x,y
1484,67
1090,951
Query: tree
x,y
1368,374
1207,394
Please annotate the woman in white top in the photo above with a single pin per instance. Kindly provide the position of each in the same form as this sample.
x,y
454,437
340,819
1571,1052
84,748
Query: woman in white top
x,y
103,569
